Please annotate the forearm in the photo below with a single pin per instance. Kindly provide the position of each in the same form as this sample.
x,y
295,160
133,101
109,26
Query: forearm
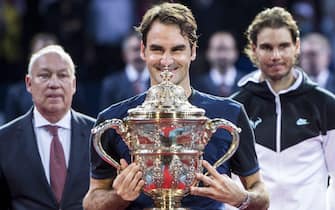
x,y
259,198
101,199
110,194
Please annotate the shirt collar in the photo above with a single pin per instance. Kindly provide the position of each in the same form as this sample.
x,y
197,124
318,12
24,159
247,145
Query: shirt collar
x,y
40,121
255,77
227,78
133,74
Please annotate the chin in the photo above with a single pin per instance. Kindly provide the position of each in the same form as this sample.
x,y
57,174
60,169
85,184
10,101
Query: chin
x,y
277,77
55,107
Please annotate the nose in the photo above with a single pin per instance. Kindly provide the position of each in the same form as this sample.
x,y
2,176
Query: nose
x,y
275,53
166,60
53,82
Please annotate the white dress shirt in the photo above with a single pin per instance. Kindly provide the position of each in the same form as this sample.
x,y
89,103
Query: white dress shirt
x,y
321,78
228,78
139,79
133,74
44,138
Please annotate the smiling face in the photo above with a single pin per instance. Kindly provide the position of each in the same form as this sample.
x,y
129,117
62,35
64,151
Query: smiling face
x,y
275,53
52,85
167,47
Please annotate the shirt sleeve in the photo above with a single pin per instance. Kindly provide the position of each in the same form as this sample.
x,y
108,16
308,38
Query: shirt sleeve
x,y
114,147
244,161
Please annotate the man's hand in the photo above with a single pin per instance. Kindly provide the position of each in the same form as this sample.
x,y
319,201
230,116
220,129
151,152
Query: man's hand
x,y
129,182
219,187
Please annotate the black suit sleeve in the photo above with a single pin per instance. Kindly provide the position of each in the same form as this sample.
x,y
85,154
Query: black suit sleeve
x,y
4,193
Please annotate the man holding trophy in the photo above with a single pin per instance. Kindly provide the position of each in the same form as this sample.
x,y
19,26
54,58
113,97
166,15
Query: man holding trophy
x,y
168,45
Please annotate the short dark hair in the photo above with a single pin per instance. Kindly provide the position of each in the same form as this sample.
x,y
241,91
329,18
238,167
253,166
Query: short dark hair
x,y
170,13
275,17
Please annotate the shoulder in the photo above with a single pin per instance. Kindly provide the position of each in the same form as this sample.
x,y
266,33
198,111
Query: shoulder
x,y
10,126
82,118
120,109
241,95
215,100
15,126
323,96
217,106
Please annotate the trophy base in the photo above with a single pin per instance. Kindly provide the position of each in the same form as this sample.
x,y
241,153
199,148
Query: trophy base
x,y
166,209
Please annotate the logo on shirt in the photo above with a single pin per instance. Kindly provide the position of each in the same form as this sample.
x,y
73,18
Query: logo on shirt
x,y
254,123
302,121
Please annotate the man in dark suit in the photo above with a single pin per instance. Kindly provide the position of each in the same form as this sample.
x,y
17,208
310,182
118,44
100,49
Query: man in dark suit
x,y
133,79
315,58
222,77
44,159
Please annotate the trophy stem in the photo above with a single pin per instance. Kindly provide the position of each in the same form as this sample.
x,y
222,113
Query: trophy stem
x,y
167,202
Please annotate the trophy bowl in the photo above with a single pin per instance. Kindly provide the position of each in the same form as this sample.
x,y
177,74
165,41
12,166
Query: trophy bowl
x,y
166,136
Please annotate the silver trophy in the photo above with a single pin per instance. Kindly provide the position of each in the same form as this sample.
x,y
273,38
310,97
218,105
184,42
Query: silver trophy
x,y
166,136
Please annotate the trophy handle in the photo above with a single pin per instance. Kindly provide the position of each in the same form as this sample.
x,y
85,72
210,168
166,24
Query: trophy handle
x,y
216,123
97,131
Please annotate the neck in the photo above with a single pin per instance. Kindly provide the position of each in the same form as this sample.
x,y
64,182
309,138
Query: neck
x,y
282,83
223,70
188,91
139,68
52,117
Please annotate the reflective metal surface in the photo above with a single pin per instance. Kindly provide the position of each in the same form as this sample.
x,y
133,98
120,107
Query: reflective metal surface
x,y
166,136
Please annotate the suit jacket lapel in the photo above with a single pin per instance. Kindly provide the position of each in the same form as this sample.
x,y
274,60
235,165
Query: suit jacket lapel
x,y
78,146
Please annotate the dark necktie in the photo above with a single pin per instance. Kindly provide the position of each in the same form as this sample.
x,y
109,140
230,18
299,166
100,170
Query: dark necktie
x,y
225,90
57,163
138,86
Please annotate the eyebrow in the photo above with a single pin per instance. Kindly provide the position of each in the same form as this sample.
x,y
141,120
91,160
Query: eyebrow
x,y
177,47
265,45
155,46
270,45
45,69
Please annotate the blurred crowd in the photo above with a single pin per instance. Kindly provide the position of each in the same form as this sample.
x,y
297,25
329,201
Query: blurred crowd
x,y
98,34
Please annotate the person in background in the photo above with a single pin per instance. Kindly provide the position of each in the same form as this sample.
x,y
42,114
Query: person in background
x,y
132,80
169,40
315,58
291,116
19,101
44,155
222,77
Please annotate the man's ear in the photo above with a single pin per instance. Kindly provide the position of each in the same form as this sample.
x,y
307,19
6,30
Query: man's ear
x,y
28,82
297,45
194,52
74,85
142,50
253,48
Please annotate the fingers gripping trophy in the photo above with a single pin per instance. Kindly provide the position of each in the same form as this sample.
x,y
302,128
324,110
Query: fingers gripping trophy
x,y
166,136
